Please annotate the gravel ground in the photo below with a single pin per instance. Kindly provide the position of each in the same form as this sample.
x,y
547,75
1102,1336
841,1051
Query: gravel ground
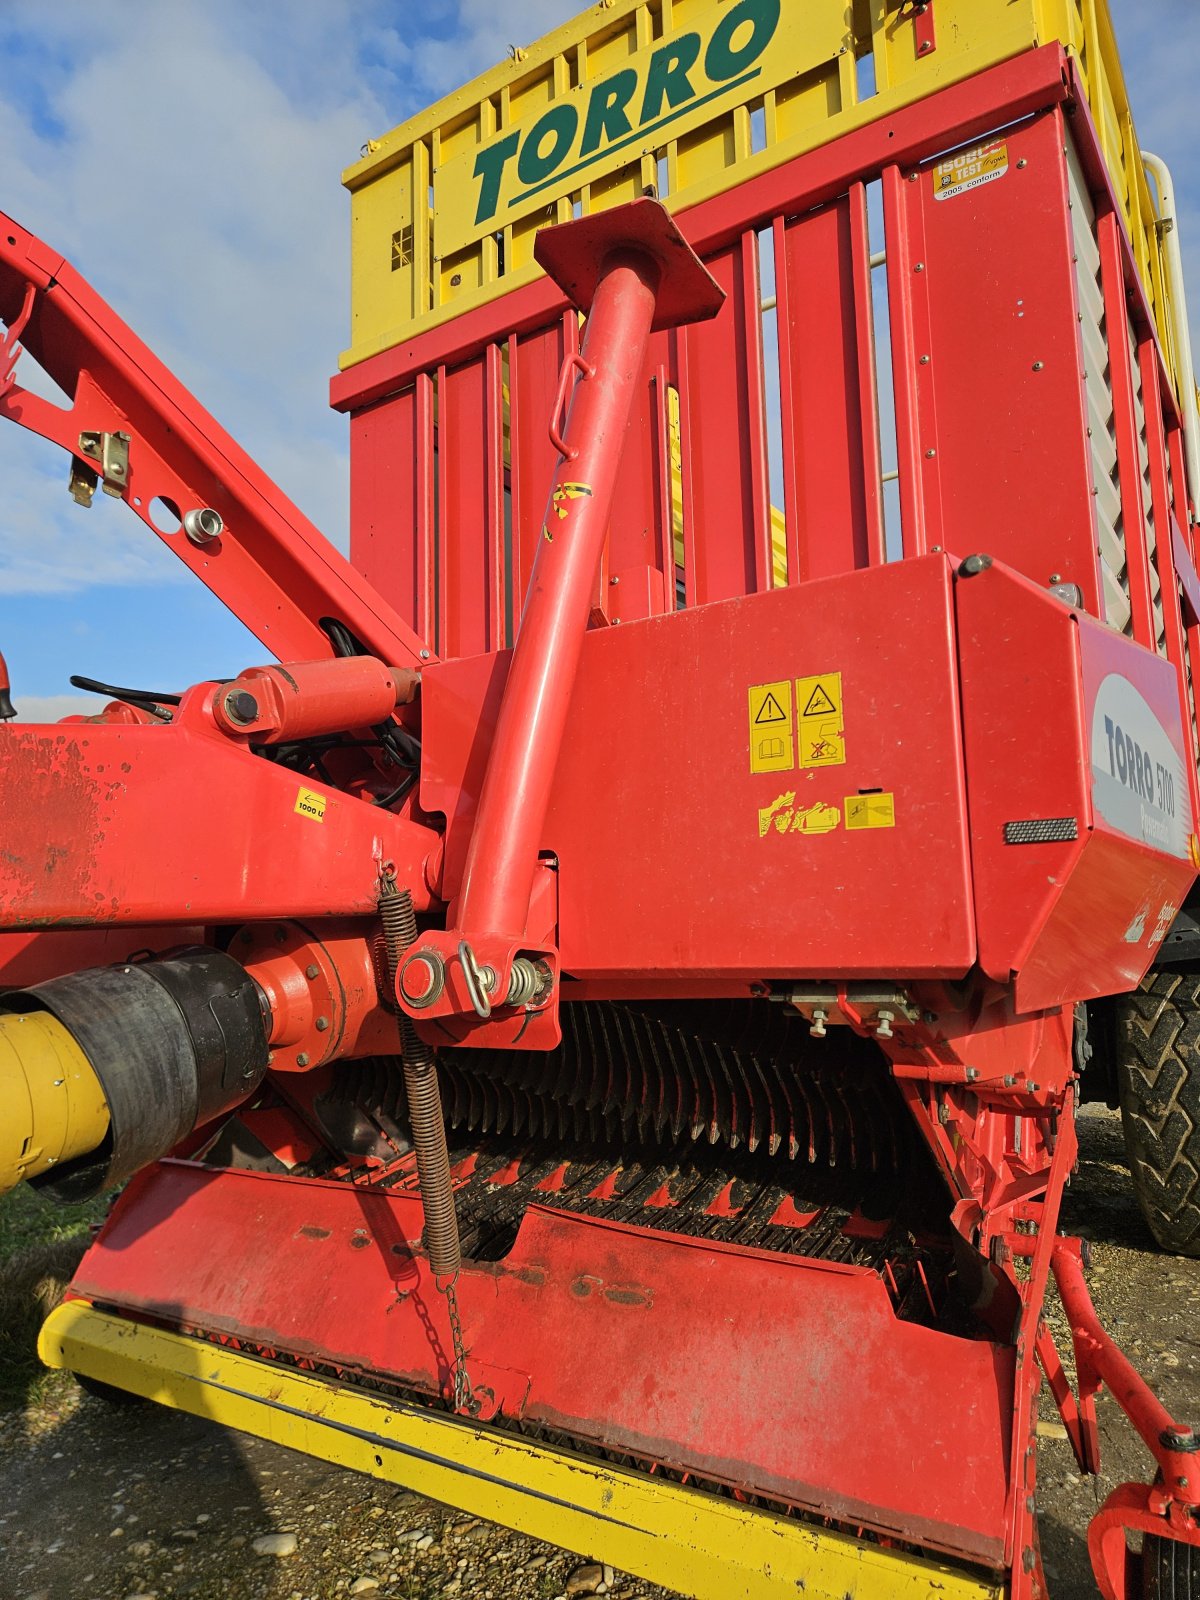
x,y
105,1503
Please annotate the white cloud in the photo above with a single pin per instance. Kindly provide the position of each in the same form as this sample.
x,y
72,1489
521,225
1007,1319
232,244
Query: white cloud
x,y
202,200
53,707
186,161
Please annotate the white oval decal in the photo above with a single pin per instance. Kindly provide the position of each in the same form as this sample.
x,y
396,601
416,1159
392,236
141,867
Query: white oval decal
x,y
1139,785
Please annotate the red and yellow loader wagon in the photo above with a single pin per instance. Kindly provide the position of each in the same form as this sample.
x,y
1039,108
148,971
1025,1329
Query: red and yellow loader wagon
x,y
605,1054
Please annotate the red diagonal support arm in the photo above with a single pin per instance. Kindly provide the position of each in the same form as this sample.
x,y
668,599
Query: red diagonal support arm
x,y
270,566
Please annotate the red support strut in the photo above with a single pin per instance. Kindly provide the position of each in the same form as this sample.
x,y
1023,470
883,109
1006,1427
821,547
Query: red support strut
x,y
634,273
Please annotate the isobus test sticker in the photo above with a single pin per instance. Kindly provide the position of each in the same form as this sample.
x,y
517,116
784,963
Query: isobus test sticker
x,y
970,169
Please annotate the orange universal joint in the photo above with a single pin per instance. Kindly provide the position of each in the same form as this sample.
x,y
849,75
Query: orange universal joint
x,y
274,705
633,273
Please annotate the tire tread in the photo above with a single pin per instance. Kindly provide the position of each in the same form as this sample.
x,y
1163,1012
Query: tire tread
x,y
1158,1066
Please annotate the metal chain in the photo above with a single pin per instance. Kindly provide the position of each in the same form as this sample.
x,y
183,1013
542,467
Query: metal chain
x,y
463,1394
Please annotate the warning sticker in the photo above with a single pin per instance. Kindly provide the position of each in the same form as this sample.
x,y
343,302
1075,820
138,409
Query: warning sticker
x,y
819,716
870,810
772,736
970,169
783,815
311,804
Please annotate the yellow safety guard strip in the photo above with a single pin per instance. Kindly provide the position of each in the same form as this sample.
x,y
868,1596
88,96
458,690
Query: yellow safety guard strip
x,y
688,1540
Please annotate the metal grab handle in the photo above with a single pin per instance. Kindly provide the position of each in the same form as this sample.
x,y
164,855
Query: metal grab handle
x,y
558,417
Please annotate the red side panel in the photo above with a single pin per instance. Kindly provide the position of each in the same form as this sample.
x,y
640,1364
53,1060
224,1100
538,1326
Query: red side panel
x,y
631,1339
391,488
983,285
676,856
829,424
1081,854
726,504
470,508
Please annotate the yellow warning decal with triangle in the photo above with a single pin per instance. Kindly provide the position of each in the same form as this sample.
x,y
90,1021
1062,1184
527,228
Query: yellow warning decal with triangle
x,y
819,718
772,733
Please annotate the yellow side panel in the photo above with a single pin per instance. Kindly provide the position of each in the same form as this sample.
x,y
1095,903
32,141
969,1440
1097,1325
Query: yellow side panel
x,y
694,97
700,1544
629,104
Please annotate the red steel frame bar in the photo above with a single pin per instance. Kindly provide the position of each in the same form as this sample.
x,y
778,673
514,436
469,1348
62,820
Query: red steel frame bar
x,y
272,568
1099,1361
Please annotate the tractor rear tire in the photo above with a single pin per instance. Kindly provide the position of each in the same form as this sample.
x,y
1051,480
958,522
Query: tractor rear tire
x,y
1170,1570
1157,1038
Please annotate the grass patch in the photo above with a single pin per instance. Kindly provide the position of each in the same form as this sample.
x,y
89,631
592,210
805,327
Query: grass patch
x,y
41,1244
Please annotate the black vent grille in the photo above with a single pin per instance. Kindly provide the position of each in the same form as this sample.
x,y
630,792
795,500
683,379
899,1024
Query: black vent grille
x,y
1047,830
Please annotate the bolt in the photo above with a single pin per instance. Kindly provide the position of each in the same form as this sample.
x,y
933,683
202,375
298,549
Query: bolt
x,y
883,1024
1031,1087
422,979
1184,1441
943,1113
614,581
912,177
1010,1081
935,549
819,1018
1056,577
241,706
924,361
918,266
424,655
312,970
1039,366
302,1059
1022,164
972,1074
322,1024
973,566
929,454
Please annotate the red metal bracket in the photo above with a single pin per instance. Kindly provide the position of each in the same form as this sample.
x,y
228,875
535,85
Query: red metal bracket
x,y
924,30
10,347
558,417
1130,1508
273,569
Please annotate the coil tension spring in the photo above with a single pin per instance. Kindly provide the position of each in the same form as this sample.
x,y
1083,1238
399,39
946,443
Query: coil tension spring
x,y
429,1131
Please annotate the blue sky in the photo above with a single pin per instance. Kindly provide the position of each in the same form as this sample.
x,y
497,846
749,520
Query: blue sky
x,y
185,157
